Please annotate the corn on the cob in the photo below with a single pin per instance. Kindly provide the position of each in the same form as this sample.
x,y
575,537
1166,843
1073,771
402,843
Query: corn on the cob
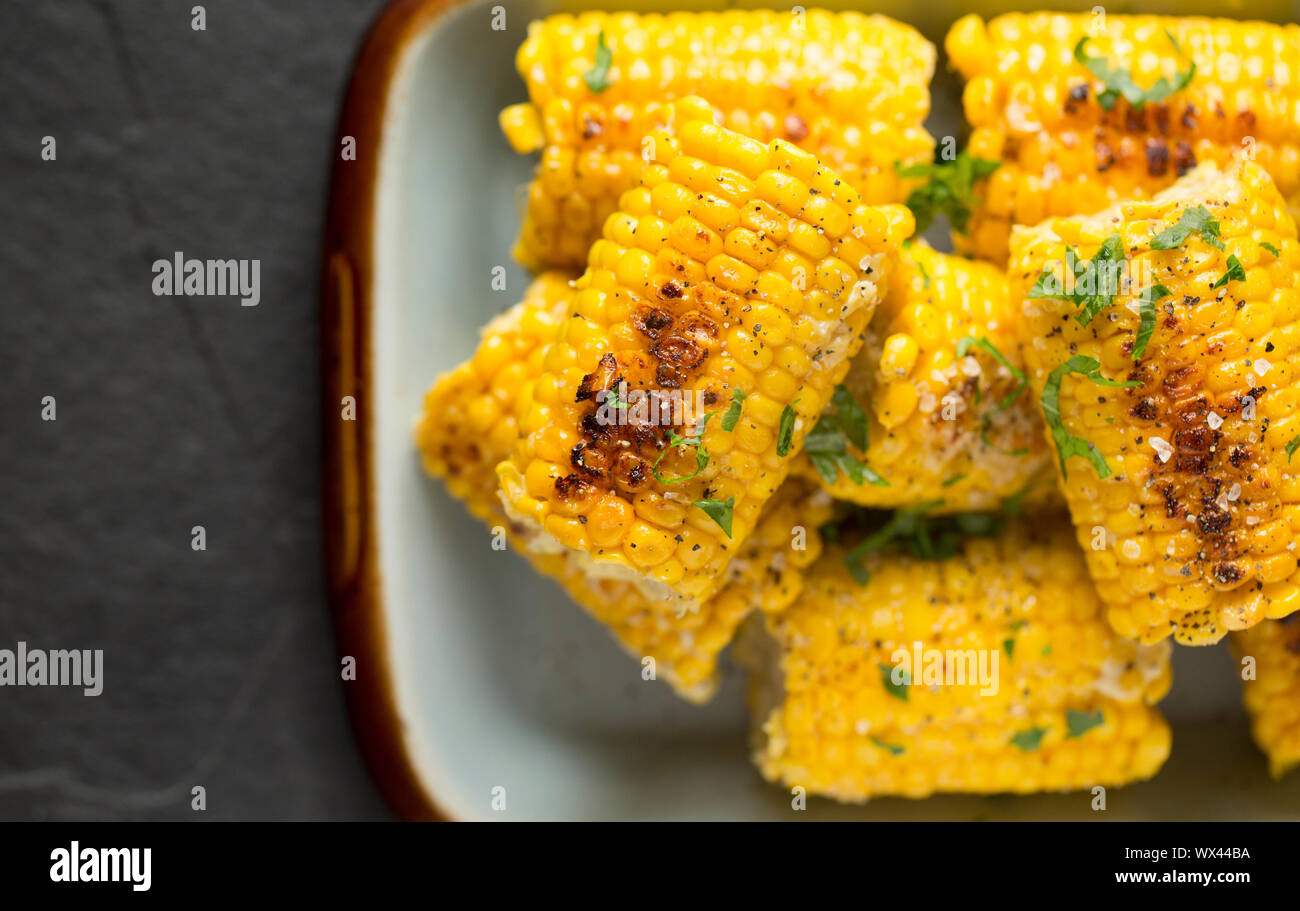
x,y
1272,695
939,395
992,670
851,89
1039,110
471,419
1171,365
735,282
471,415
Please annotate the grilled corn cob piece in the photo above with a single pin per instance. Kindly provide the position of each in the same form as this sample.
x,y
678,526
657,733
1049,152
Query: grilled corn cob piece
x,y
1189,511
1272,696
1033,106
471,415
992,670
851,89
735,281
944,418
470,420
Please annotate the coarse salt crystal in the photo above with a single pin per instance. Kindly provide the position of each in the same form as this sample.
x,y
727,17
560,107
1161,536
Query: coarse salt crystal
x,y
1163,450
1214,421
1132,549
1252,520
970,366
1234,491
1262,366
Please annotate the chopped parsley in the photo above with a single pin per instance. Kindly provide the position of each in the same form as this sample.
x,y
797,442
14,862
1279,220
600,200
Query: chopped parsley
x,y
924,537
1066,443
674,440
1236,273
1022,382
1147,323
1029,740
1081,723
897,690
955,479
785,433
732,417
1096,280
1271,249
894,750
949,189
1196,220
719,511
1009,646
846,423
925,276
1292,447
1119,81
597,78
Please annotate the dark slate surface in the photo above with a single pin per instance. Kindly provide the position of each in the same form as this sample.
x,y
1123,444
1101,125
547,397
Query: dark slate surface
x,y
171,413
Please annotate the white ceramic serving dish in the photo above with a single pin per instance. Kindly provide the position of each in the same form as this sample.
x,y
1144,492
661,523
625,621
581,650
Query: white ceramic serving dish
x,y
472,673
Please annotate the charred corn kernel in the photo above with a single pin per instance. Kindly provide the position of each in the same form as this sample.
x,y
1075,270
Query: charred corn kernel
x,y
766,574
696,344
1272,690
990,671
1188,448
850,89
936,430
1036,109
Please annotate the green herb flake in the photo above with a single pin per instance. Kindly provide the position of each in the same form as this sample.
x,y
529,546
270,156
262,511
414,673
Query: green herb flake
x,y
597,78
925,276
897,690
949,189
1292,447
955,479
1029,740
827,444
786,431
1196,220
732,417
1147,322
1067,444
1271,249
1047,650
1119,81
921,536
1080,723
1096,280
695,440
894,750
1022,382
1236,273
720,511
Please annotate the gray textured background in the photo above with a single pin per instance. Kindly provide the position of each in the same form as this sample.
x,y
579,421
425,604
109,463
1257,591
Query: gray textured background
x,y
172,412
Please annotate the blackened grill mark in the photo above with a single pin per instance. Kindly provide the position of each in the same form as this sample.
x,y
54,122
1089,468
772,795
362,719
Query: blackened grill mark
x,y
1213,519
597,381
572,487
1144,410
1184,158
1157,157
1226,574
651,321
1238,456
671,290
